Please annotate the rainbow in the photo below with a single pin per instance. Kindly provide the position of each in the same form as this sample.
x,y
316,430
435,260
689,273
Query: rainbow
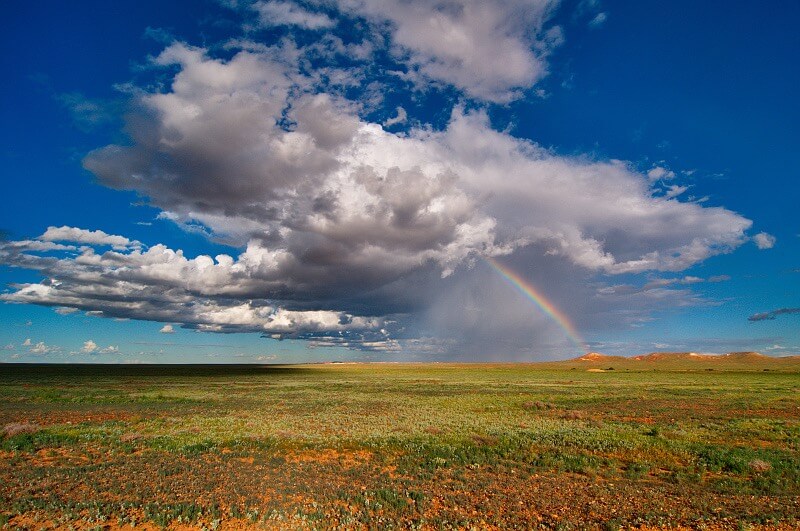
x,y
527,289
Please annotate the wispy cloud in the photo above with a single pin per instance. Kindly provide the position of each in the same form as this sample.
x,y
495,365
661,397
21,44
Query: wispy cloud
x,y
89,113
769,316
91,237
399,118
284,13
598,20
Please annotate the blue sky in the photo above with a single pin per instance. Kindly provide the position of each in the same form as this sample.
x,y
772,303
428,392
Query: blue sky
x,y
352,164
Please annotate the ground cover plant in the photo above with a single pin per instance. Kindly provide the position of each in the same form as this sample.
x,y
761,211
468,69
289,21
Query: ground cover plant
x,y
570,445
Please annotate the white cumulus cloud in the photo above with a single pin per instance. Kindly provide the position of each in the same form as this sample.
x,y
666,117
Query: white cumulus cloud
x,y
89,346
42,348
764,240
490,49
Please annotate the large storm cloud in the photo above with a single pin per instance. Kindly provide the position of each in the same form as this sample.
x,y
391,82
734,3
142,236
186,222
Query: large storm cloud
x,y
353,233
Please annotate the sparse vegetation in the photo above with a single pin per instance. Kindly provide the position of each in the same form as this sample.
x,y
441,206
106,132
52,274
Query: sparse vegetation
x,y
404,446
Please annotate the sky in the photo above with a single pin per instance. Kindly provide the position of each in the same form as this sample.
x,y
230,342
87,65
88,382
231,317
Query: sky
x,y
282,181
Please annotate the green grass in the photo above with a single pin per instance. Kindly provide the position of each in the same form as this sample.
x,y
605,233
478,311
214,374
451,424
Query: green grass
x,y
432,433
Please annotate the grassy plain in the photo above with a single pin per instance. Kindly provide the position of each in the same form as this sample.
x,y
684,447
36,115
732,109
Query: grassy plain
x,y
435,446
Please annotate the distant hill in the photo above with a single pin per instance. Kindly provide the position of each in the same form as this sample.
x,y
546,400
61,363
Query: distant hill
x,y
694,356
661,356
685,361
596,356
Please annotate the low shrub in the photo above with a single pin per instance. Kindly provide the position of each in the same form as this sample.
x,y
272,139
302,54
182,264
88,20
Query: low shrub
x,y
17,428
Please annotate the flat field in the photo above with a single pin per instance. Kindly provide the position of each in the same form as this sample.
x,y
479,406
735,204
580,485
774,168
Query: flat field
x,y
434,446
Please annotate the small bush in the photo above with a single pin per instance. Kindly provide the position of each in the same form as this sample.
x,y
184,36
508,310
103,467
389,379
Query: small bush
x,y
653,432
130,437
485,440
387,499
759,465
636,470
17,428
537,405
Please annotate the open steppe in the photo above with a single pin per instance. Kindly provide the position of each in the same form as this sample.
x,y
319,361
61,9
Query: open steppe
x,y
666,441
